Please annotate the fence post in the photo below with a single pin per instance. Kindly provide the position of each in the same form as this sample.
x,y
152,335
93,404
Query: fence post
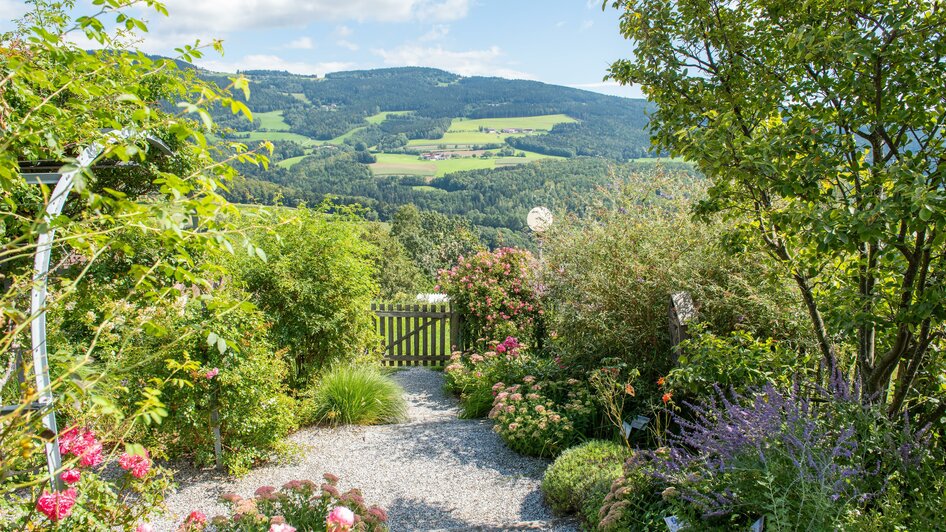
x,y
682,312
455,340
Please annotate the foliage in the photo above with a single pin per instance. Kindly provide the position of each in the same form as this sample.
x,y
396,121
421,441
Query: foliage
x,y
316,284
824,122
399,276
358,395
172,347
531,422
581,477
471,375
736,361
614,385
55,98
299,504
497,293
433,240
609,278
96,498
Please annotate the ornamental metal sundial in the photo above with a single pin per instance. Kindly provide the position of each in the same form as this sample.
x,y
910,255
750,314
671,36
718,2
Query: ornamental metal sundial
x,y
48,174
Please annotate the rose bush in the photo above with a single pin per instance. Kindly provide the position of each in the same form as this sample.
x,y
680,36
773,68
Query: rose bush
x,y
99,496
497,293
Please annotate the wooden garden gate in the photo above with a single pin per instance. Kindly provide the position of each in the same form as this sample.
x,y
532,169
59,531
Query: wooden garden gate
x,y
417,335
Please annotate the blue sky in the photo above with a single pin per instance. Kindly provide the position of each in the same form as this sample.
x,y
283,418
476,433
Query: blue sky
x,y
565,42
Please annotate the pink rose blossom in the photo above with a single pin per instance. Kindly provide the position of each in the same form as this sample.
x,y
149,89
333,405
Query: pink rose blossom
x,y
82,444
136,464
56,505
144,527
339,519
70,476
282,528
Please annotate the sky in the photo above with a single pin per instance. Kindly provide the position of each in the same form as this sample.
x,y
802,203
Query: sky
x,y
564,42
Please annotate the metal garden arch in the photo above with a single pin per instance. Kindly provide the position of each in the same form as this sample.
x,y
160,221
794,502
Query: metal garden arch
x,y
64,182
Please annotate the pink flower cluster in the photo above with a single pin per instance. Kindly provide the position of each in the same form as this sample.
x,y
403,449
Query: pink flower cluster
x,y
57,505
211,374
82,444
136,464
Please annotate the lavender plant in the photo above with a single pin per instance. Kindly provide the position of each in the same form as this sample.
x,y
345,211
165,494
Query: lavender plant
x,y
804,460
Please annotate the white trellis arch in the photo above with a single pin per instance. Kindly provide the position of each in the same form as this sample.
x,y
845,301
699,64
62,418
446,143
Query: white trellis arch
x,y
64,182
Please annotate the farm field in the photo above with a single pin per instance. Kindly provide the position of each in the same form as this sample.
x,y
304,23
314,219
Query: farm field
x,y
288,163
272,121
465,132
256,136
543,122
400,164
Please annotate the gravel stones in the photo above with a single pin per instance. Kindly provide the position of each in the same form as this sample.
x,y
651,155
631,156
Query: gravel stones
x,y
434,472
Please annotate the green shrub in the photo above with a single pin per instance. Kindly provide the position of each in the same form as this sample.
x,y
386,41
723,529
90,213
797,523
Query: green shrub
x,y
496,291
610,276
471,375
316,286
735,361
358,395
580,479
535,419
190,354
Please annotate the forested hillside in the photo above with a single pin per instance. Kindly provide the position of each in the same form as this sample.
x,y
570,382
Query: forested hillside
x,y
326,108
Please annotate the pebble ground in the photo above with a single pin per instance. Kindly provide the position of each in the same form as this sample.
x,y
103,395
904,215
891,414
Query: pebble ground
x,y
433,472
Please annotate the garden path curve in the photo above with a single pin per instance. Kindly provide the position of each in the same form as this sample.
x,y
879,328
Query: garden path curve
x,y
433,472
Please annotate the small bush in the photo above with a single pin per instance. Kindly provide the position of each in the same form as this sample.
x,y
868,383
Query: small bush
x,y
298,505
581,478
534,420
358,395
471,375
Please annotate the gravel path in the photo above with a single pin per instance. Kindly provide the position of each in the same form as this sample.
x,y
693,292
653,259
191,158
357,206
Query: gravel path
x,y
434,472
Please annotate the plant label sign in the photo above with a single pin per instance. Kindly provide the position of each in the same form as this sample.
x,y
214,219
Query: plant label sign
x,y
674,524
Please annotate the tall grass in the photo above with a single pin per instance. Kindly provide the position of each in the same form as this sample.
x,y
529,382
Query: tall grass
x,y
358,395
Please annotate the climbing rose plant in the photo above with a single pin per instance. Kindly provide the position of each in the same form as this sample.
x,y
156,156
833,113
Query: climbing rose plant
x,y
497,292
91,500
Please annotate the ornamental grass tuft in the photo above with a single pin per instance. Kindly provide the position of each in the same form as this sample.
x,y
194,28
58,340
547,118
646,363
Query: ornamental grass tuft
x,y
358,395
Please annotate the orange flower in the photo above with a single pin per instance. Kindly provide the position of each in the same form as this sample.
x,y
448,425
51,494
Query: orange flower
x,y
666,398
629,390
660,381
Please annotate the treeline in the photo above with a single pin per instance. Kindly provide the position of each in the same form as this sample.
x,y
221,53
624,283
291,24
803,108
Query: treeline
x,y
496,200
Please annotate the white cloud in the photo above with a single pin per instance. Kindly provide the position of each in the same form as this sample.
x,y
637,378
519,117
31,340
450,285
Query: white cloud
x,y
466,63
343,31
436,33
586,25
273,62
302,43
231,15
560,24
612,88
347,44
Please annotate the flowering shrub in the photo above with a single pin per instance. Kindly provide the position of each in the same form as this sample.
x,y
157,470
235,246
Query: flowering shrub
x,y
497,293
299,505
471,374
531,423
93,499
796,459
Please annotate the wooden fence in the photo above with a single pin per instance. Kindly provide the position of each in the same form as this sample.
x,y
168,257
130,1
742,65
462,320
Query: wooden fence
x,y
417,335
